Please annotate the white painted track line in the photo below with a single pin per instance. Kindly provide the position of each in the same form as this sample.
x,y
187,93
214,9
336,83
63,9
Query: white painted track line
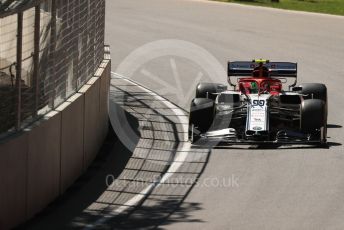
x,y
178,160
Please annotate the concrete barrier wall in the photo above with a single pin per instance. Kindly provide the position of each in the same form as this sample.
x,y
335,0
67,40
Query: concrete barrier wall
x,y
72,139
91,121
13,178
43,172
40,163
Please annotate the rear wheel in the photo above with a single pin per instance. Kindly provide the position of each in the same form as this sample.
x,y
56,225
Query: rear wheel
x,y
201,117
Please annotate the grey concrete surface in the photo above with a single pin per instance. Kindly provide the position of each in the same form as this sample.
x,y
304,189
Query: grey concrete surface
x,y
72,140
43,175
104,99
92,123
286,188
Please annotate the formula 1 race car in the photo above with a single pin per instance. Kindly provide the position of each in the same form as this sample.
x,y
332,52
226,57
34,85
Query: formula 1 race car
x,y
259,110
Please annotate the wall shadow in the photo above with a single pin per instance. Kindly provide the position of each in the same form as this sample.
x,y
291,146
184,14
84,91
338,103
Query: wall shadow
x,y
92,203
86,189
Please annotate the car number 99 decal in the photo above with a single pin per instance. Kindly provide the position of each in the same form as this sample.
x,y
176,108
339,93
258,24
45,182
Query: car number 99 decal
x,y
258,102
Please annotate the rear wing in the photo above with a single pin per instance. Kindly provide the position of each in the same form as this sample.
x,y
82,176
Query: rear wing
x,y
277,69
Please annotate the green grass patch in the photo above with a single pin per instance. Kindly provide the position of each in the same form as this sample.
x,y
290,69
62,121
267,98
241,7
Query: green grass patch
x,y
318,6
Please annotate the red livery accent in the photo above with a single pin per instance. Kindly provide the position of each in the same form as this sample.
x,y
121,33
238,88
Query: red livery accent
x,y
260,82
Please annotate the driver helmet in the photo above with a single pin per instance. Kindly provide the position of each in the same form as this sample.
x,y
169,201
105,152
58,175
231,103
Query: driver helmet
x,y
261,69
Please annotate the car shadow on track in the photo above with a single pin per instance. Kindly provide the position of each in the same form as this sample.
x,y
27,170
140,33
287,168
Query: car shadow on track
x,y
333,126
267,147
275,146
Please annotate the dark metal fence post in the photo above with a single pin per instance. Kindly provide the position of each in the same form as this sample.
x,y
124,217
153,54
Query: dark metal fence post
x,y
19,67
36,76
52,51
76,62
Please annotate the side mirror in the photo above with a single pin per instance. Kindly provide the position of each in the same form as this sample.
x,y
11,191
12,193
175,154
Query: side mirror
x,y
220,88
297,88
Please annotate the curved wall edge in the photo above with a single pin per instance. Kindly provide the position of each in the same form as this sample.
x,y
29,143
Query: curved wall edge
x,y
40,163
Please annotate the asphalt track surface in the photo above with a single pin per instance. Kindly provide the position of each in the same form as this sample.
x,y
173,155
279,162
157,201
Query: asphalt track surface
x,y
291,187
287,188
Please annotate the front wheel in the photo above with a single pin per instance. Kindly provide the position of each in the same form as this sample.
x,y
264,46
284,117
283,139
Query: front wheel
x,y
201,117
315,91
313,117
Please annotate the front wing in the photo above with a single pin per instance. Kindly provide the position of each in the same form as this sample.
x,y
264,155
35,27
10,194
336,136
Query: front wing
x,y
229,136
